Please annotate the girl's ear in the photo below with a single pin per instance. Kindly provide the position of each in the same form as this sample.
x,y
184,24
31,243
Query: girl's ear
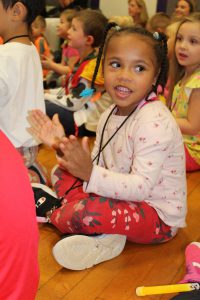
x,y
19,11
90,40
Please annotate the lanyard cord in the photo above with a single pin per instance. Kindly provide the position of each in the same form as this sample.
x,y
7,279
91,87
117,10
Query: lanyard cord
x,y
15,37
101,148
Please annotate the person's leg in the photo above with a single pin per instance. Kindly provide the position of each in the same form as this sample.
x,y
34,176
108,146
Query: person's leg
x,y
191,164
88,214
67,120
19,273
37,173
113,220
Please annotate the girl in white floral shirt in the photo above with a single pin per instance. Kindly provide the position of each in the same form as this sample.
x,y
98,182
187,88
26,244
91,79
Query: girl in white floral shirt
x,y
134,185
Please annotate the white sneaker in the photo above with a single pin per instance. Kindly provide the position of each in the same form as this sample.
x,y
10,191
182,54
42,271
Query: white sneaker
x,y
79,252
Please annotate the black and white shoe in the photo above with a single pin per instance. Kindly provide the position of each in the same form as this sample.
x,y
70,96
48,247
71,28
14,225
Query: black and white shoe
x,y
45,199
79,252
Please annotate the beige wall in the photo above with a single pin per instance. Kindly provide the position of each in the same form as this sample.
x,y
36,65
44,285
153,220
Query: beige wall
x,y
120,7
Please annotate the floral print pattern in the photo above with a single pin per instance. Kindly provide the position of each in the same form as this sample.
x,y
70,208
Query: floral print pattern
x,y
91,214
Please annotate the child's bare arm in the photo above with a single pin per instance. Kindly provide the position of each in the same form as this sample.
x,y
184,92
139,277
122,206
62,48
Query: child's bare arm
x,y
49,64
191,125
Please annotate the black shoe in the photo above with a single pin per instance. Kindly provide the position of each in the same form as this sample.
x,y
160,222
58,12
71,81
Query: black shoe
x,y
193,295
45,199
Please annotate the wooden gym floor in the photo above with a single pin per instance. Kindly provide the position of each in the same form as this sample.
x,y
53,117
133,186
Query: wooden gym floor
x,y
117,279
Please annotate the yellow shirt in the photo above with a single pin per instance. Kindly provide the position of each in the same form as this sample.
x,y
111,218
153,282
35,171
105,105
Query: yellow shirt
x,y
180,103
89,70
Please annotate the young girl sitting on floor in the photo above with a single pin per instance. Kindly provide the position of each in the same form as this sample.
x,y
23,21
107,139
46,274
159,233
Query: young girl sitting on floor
x,y
185,77
134,185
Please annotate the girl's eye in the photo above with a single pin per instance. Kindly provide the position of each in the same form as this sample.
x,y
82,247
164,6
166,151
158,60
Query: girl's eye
x,y
193,41
115,64
139,69
178,38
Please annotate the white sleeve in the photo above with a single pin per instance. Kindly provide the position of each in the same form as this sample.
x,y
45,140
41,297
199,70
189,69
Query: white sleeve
x,y
151,147
4,90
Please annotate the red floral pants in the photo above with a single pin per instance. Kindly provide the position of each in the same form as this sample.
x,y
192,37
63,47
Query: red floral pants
x,y
83,213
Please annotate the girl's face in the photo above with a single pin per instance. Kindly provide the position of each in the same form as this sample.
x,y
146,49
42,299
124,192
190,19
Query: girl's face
x,y
76,36
37,29
129,71
187,47
133,8
182,9
63,27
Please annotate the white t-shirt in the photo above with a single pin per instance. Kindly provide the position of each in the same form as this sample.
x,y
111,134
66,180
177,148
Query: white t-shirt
x,y
21,90
145,161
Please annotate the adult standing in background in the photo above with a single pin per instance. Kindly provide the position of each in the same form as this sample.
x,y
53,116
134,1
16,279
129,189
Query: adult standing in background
x,y
138,11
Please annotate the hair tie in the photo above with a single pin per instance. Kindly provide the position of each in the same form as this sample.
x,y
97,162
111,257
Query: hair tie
x,y
156,36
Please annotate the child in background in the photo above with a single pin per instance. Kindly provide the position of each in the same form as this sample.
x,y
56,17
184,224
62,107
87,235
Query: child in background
x,y
171,31
38,28
184,78
158,22
69,54
183,8
138,11
134,185
122,21
21,79
19,276
85,35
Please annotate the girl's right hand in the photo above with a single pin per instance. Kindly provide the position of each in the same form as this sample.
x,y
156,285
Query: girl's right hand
x,y
48,131
46,62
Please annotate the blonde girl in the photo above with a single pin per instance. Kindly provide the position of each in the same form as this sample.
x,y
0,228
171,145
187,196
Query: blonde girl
x,y
185,75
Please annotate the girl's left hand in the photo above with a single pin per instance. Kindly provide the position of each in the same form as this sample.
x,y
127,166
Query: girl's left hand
x,y
76,157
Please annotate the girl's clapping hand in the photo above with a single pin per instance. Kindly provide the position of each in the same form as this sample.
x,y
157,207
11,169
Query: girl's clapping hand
x,y
44,129
76,157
